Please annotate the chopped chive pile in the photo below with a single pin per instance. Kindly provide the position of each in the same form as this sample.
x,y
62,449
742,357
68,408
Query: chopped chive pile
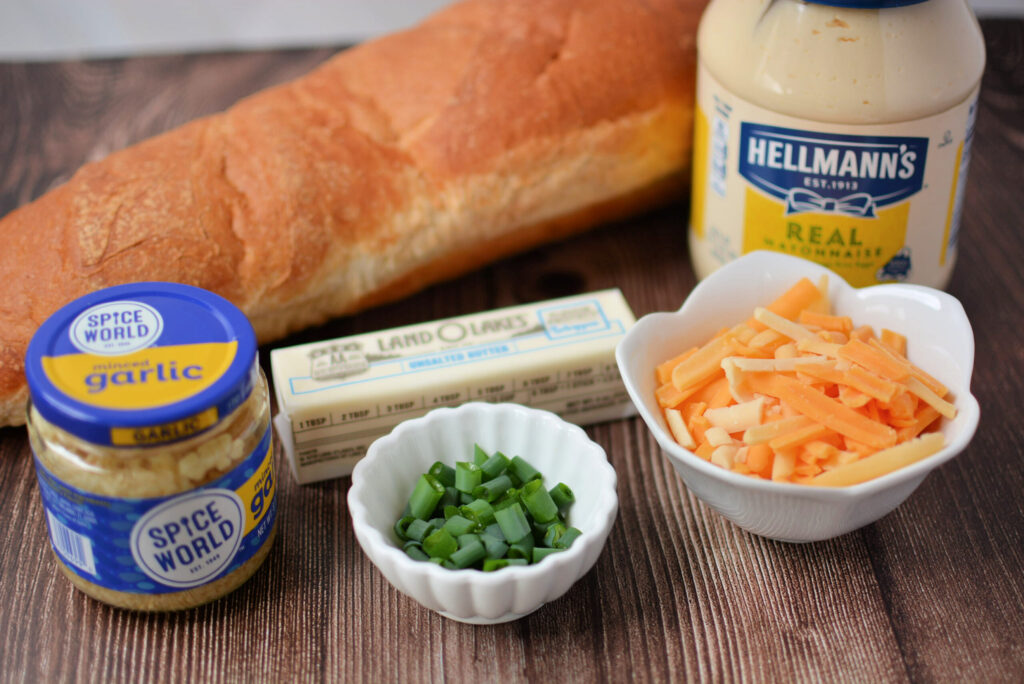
x,y
486,513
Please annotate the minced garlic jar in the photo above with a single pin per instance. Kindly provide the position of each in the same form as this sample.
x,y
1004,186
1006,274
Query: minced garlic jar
x,y
150,428
835,130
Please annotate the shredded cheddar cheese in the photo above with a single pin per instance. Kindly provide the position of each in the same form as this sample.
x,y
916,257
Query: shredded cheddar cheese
x,y
799,394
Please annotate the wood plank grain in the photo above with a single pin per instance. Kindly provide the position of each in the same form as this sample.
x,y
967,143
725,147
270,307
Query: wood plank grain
x,y
949,561
60,116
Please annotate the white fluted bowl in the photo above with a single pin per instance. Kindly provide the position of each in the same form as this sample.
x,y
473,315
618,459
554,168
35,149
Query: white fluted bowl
x,y
562,452
939,340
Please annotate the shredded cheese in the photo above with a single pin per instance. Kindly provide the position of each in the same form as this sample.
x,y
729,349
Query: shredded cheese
x,y
799,394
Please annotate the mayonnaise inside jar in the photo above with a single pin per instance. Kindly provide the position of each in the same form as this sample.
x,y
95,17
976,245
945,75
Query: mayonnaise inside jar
x,y
838,131
150,428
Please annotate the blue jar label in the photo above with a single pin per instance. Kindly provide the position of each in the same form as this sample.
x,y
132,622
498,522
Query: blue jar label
x,y
873,202
164,544
850,175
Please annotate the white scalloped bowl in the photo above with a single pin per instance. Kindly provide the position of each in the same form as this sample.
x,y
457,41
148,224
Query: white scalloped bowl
x,y
562,452
940,341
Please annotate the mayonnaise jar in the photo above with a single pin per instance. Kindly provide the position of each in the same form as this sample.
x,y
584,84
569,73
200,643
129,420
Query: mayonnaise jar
x,y
150,427
837,131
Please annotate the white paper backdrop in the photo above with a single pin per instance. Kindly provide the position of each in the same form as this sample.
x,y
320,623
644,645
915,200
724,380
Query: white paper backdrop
x,y
63,29
68,29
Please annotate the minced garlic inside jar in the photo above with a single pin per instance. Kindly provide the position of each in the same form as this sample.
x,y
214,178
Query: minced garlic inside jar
x,y
158,483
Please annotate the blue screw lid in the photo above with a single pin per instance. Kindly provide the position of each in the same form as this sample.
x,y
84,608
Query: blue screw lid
x,y
141,364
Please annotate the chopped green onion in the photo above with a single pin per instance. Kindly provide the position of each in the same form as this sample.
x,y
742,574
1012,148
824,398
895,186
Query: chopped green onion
x,y
450,498
540,553
566,540
562,496
522,548
488,513
425,496
495,465
468,538
468,554
402,527
479,511
415,551
538,502
523,470
492,564
440,544
444,473
540,529
492,489
418,529
513,523
553,534
496,548
467,476
457,525
511,496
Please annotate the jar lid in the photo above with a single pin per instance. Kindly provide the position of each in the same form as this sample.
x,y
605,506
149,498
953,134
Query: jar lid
x,y
141,364
866,4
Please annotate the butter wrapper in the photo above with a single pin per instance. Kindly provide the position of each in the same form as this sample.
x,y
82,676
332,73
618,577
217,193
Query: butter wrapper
x,y
336,397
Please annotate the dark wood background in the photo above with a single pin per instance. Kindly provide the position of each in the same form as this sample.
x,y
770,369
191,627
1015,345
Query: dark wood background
x,y
932,592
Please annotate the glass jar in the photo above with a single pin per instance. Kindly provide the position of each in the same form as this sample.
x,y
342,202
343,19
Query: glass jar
x,y
835,130
150,426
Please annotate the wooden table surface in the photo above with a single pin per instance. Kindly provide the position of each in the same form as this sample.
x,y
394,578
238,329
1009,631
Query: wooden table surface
x,y
932,592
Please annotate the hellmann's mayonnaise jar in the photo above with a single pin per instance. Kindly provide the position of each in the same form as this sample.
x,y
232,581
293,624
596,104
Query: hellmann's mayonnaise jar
x,y
150,426
835,130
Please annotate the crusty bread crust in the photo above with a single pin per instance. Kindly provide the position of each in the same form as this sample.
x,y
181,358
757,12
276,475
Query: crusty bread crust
x,y
489,128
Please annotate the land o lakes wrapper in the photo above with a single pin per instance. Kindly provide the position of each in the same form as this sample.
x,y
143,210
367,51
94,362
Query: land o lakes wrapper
x,y
150,427
835,130
337,396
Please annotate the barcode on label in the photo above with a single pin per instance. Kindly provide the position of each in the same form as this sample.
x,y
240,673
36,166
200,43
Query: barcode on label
x,y
75,547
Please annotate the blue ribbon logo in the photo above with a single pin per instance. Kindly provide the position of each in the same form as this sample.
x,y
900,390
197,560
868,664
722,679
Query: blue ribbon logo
x,y
800,200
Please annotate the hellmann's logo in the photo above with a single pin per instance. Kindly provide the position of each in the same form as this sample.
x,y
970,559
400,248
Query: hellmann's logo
x,y
850,175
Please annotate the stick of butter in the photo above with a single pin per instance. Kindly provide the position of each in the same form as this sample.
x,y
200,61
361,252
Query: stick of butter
x,y
338,396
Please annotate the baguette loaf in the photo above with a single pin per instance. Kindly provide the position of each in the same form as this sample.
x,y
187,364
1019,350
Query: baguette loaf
x,y
491,127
